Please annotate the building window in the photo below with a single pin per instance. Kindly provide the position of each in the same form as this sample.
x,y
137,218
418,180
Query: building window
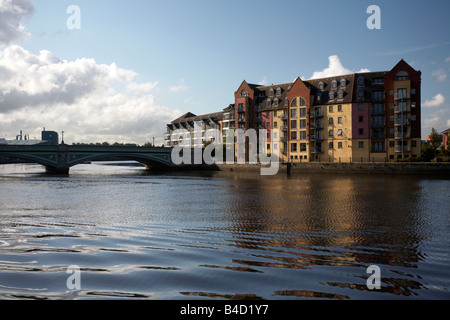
x,y
269,102
293,113
244,93
321,86
330,108
378,95
361,81
361,119
294,135
330,121
343,82
391,144
303,124
378,81
303,112
340,145
293,147
331,95
361,144
294,103
360,131
275,113
302,102
341,94
268,125
330,145
293,124
276,101
271,92
402,75
278,91
339,108
340,120
414,144
303,147
334,84
275,124
331,133
361,107
302,135
340,132
360,93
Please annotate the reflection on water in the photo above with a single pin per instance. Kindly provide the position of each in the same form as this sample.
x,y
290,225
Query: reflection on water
x,y
221,235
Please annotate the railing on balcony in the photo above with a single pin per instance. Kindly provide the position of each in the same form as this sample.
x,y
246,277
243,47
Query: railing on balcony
x,y
316,126
377,111
378,136
316,114
316,150
241,120
402,149
284,139
402,122
402,96
284,128
284,117
316,137
284,151
400,135
402,109
379,123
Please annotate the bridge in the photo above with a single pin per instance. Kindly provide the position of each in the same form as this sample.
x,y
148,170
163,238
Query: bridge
x,y
60,158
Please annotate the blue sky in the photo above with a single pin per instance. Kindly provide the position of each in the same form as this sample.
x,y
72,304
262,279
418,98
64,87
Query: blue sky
x,y
196,53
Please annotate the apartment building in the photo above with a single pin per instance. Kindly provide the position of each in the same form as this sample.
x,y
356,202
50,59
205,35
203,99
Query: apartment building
x,y
358,117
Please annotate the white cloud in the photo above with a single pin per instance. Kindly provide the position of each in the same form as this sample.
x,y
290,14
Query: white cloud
x,y
434,102
90,102
11,14
178,88
447,59
335,68
263,82
439,74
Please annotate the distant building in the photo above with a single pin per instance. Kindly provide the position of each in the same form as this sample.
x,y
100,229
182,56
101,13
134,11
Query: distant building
x,y
48,138
373,116
445,139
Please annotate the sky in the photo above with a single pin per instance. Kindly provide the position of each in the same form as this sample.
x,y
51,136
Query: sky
x,y
119,71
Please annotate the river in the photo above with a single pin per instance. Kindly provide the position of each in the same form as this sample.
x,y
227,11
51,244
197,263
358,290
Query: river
x,y
217,235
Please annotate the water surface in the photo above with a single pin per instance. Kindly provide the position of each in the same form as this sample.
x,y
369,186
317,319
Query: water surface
x,y
137,235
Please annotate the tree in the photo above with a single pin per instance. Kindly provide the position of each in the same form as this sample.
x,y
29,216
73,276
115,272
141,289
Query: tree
x,y
435,138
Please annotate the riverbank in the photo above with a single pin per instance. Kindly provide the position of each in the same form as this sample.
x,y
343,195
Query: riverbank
x,y
366,168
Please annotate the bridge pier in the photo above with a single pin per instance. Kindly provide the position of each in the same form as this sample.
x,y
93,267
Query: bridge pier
x,y
57,170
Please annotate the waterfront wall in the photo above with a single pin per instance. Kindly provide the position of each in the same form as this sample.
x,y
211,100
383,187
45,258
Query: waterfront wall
x,y
367,168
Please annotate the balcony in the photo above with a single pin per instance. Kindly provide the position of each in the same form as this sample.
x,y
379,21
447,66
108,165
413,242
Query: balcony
x,y
378,136
402,122
402,149
399,109
284,128
284,151
241,120
316,126
284,139
377,150
316,114
257,120
402,96
241,110
378,111
379,123
284,117
316,137
316,150
404,135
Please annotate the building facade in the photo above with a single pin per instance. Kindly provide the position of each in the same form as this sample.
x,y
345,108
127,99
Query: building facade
x,y
360,117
